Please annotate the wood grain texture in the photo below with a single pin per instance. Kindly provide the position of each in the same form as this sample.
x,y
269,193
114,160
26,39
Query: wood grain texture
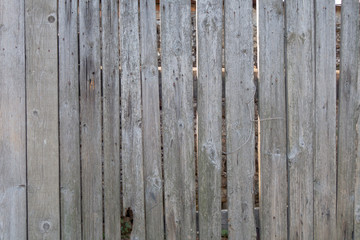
x,y
151,122
272,120
300,76
325,151
90,117
348,142
42,119
111,117
240,144
131,118
70,189
12,121
177,112
209,57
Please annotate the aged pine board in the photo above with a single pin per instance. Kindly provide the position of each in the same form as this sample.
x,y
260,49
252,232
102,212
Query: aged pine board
x,y
151,122
131,118
209,57
348,144
111,117
12,121
177,113
90,120
42,120
239,92
272,120
300,76
70,189
325,139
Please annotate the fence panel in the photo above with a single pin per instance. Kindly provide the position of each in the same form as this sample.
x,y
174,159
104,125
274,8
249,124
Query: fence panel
x,y
90,118
325,139
209,57
42,119
348,148
131,123
151,122
70,178
272,120
177,110
12,121
111,117
300,114
240,131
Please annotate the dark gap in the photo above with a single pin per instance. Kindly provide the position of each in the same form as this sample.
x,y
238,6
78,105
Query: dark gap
x,y
127,221
26,145
58,92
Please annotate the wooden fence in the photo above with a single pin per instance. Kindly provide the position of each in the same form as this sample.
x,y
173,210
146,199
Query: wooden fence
x,y
89,149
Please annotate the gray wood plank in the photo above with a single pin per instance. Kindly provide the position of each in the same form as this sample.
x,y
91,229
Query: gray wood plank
x,y
272,120
177,112
209,57
348,158
70,178
300,76
42,119
325,151
151,122
90,117
131,118
12,121
240,141
111,117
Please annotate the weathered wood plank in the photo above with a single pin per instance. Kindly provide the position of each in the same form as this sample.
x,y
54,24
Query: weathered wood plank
x,y
325,139
12,121
42,119
151,122
348,145
111,117
70,189
272,119
131,118
209,53
90,117
300,76
177,107
239,92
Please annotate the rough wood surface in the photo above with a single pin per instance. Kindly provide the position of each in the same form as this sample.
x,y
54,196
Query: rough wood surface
x,y
272,120
177,110
131,123
42,120
12,121
151,122
300,76
209,55
325,139
111,117
90,117
70,189
239,92
348,142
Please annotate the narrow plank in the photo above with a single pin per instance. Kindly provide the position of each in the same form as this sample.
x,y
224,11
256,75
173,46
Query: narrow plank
x,y
178,125
42,119
151,122
209,53
300,76
70,189
240,141
90,117
111,117
348,158
325,140
12,121
272,119
131,118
